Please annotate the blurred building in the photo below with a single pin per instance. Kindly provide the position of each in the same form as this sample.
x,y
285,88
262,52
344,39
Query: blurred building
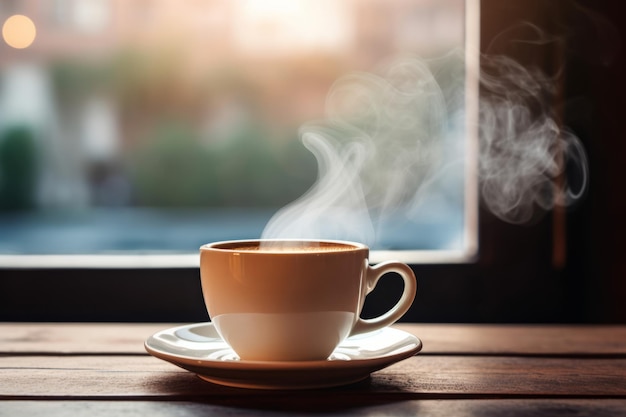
x,y
101,73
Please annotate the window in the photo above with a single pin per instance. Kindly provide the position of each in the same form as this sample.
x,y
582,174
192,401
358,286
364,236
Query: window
x,y
206,120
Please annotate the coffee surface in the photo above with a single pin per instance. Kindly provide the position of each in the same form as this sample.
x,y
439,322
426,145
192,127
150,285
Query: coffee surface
x,y
290,247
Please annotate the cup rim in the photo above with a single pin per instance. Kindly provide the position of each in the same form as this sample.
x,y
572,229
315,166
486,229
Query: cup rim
x,y
222,245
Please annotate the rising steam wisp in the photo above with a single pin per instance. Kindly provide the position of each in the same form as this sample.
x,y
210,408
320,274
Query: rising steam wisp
x,y
392,143
382,138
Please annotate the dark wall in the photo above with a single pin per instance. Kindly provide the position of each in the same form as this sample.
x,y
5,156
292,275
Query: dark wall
x,y
599,230
595,103
568,266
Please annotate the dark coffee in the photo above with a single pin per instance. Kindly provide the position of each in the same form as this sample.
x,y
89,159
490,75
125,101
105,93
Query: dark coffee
x,y
291,247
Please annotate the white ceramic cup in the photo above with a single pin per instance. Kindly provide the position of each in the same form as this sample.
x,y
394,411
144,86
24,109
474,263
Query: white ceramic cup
x,y
293,300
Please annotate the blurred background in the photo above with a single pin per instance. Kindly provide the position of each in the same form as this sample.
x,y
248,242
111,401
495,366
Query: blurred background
x,y
114,101
122,122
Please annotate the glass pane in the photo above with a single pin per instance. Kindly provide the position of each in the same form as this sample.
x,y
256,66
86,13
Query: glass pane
x,y
153,126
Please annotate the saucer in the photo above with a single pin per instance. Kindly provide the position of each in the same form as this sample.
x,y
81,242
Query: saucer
x,y
199,348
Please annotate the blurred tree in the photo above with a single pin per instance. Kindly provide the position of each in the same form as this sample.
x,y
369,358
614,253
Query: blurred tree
x,y
171,168
18,168
169,155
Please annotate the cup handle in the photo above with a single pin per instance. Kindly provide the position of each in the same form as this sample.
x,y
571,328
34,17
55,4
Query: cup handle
x,y
373,274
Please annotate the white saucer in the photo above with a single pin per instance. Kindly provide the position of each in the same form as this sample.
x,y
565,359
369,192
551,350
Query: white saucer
x,y
199,349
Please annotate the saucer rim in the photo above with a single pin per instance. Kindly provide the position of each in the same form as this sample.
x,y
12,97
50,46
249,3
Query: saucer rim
x,y
384,360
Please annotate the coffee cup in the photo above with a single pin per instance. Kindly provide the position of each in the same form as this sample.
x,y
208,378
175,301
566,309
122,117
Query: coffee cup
x,y
294,300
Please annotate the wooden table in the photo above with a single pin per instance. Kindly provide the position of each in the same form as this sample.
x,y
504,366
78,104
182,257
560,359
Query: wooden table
x,y
482,370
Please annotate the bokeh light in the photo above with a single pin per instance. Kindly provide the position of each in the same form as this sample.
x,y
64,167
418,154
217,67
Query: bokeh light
x,y
19,31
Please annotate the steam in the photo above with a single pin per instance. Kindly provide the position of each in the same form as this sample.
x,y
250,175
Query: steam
x,y
523,150
382,138
392,141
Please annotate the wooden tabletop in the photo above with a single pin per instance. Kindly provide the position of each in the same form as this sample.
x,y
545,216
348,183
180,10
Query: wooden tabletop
x,y
482,370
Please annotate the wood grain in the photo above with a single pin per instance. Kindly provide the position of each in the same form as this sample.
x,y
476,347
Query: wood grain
x,y
432,408
483,339
471,370
76,338
438,339
418,377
